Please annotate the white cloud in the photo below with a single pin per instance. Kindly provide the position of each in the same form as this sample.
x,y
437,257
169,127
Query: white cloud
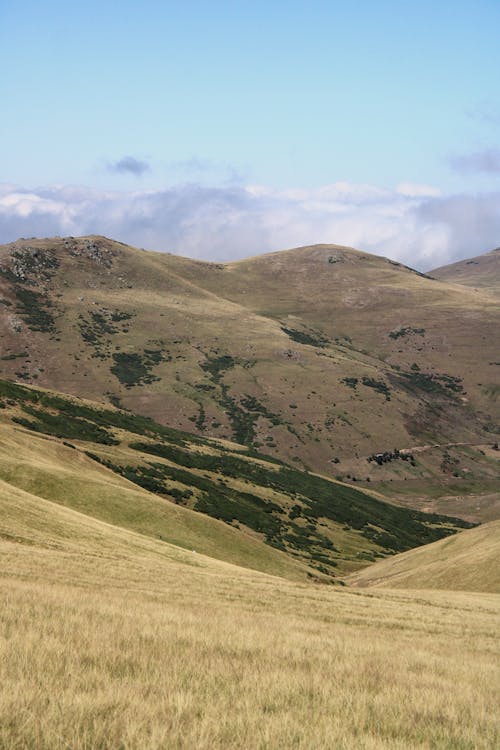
x,y
415,190
413,223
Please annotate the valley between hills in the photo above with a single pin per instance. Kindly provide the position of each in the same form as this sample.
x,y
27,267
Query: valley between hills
x,y
247,505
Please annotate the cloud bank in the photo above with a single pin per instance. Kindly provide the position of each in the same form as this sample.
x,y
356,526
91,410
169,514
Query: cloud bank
x,y
414,224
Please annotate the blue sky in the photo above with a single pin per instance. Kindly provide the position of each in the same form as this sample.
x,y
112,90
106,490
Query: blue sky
x,y
289,96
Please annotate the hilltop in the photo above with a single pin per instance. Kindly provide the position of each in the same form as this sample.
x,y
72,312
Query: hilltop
x,y
481,272
322,356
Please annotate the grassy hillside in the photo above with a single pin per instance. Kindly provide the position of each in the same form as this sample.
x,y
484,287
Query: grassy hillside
x,y
110,639
470,561
481,272
382,314
314,356
51,470
97,459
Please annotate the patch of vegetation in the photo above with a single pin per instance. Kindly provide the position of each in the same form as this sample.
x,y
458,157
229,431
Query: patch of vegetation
x,y
311,338
99,326
132,368
379,522
35,309
406,331
253,405
92,330
340,340
215,499
64,426
143,476
115,400
200,420
440,384
243,414
449,464
8,274
321,497
104,417
229,464
350,382
119,315
388,456
216,366
8,357
377,385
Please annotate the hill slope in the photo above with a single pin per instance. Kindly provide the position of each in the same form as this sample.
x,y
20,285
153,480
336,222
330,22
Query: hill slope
x,y
49,470
324,527
481,272
315,355
470,561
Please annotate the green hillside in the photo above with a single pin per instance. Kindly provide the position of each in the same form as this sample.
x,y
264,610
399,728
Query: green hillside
x,y
100,456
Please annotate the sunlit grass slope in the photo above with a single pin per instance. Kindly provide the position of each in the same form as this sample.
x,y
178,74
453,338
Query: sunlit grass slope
x,y
48,469
110,639
470,561
323,525
481,272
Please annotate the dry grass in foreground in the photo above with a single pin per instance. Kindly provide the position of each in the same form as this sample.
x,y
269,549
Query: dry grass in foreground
x,y
109,639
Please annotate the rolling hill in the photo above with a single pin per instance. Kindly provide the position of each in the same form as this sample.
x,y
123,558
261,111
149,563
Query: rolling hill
x,y
218,498
481,272
321,356
470,561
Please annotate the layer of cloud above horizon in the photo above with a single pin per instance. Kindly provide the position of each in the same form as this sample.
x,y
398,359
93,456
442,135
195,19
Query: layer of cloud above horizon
x,y
413,224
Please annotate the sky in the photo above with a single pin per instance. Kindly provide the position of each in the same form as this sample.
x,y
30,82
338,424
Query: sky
x,y
220,130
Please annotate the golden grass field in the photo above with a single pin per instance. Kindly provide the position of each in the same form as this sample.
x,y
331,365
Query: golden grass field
x,y
109,639
469,561
52,471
